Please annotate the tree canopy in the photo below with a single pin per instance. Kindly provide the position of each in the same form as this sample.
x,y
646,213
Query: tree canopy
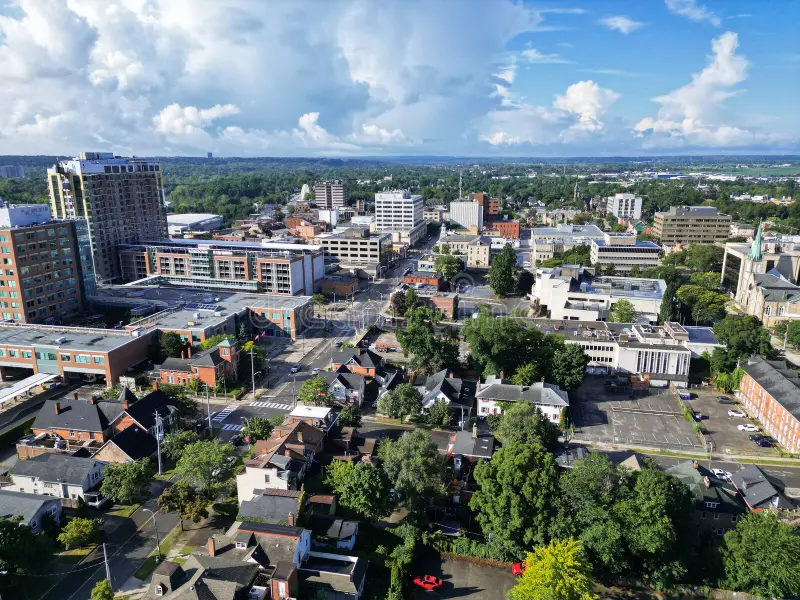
x,y
623,311
172,345
569,366
400,402
415,467
257,428
523,423
21,550
127,482
80,532
501,272
205,463
314,392
448,266
361,487
556,571
429,352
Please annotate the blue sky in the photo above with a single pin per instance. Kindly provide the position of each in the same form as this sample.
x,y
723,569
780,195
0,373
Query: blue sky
x,y
359,77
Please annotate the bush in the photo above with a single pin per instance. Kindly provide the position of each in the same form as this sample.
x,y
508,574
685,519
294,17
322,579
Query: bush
x,y
468,547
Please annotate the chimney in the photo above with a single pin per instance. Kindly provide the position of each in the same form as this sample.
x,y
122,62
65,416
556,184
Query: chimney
x,y
124,404
75,395
695,465
542,379
155,385
452,375
93,400
300,436
707,482
475,431
189,352
502,375
290,520
57,407
212,547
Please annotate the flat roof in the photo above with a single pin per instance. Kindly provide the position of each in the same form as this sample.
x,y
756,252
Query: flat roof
x,y
222,244
191,217
637,244
310,412
74,338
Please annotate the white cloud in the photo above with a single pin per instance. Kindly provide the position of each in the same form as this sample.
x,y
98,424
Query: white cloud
x,y
621,23
563,11
183,120
532,55
693,11
589,102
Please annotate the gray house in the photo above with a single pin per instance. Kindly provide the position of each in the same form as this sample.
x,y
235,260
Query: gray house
x,y
58,475
31,507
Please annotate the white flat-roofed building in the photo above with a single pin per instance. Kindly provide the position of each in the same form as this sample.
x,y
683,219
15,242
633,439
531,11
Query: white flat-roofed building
x,y
550,242
623,251
467,214
624,206
179,224
22,215
572,293
401,213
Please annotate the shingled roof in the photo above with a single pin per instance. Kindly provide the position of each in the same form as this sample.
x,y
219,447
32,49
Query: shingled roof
x,y
61,468
77,414
780,382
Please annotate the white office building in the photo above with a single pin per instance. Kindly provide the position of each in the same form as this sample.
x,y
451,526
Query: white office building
x,y
624,206
400,212
22,215
468,215
623,252
550,242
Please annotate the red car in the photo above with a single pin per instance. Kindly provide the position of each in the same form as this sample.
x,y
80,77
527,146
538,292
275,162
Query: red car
x,y
428,582
518,569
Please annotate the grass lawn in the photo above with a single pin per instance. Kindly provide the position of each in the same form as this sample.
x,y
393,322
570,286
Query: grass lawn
x,y
187,549
123,510
75,555
228,508
150,563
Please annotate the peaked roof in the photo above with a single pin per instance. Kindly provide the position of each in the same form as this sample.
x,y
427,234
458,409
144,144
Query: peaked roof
x,y
538,393
717,490
143,411
24,505
135,442
456,390
331,527
363,357
61,468
80,415
757,489
126,395
351,381
269,509
780,382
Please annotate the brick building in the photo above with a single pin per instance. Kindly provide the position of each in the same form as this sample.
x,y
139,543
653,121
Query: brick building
x,y
508,229
771,393
339,285
418,278
206,366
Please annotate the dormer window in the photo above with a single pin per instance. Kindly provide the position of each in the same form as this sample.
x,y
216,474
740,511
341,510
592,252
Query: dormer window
x,y
160,589
712,504
241,545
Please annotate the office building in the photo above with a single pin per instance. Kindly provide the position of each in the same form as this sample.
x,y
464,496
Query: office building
x,y
46,270
12,171
491,206
468,215
357,246
122,200
692,225
476,248
272,268
180,224
624,206
400,212
573,293
510,230
551,242
623,251
435,214
330,194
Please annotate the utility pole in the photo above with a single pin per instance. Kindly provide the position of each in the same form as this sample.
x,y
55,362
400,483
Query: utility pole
x,y
105,559
155,526
208,409
159,430
294,388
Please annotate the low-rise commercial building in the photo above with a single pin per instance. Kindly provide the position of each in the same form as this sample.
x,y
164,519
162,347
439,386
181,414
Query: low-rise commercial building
x,y
426,279
552,242
427,262
435,214
770,392
571,292
624,206
476,248
692,225
339,286
184,223
507,229
624,252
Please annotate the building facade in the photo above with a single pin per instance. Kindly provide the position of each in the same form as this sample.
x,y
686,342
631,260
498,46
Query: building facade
x,y
122,200
401,213
692,225
357,247
182,223
624,206
288,270
330,194
476,248
508,229
467,214
623,252
496,392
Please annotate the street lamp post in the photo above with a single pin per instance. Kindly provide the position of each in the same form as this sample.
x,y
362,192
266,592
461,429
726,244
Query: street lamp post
x,y
155,526
208,408
253,373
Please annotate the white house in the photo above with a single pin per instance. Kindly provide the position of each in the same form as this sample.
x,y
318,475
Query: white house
x,y
549,398
346,388
58,475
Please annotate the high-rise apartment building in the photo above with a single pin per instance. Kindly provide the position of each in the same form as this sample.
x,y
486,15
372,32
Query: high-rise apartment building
x,y
121,199
12,171
42,275
330,194
400,212
624,206
692,225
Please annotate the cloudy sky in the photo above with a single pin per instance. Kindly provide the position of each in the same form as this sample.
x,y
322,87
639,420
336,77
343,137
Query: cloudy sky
x,y
372,77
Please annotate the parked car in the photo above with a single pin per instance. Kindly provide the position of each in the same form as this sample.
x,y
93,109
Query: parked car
x,y
725,400
315,371
764,443
295,368
721,473
337,344
237,439
754,437
735,412
428,582
697,416
518,569
747,427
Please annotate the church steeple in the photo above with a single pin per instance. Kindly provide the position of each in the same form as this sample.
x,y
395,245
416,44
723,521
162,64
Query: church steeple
x,y
755,249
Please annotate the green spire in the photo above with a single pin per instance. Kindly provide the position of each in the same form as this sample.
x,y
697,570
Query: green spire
x,y
755,250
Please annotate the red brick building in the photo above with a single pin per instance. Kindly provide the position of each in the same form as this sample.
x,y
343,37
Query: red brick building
x,y
421,278
770,392
207,366
508,229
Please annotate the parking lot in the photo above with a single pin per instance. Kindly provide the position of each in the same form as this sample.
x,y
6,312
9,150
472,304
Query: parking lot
x,y
654,419
722,429
464,580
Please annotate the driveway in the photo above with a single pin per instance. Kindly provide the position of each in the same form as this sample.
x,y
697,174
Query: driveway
x,y
463,579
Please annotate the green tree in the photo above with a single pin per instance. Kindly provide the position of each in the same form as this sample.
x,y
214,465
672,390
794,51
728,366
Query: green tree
x,y
103,590
184,501
205,463
793,333
257,428
524,423
743,337
525,281
415,467
319,300
259,356
516,492
558,571
705,306
670,309
569,366
762,556
172,345
21,550
174,443
349,417
397,303
403,401
525,375
705,257
429,352
448,266
214,340
622,311
127,482
781,327
360,487
709,281
439,413
80,532
314,392
501,272
410,301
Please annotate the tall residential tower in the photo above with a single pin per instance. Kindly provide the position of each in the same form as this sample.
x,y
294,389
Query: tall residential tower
x,y
330,194
121,199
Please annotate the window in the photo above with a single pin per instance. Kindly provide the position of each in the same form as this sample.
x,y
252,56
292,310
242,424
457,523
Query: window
x,y
82,358
734,518
98,360
712,504
716,516
160,587
65,357
266,478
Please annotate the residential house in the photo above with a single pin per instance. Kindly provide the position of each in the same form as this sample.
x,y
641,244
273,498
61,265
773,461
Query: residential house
x,y
344,443
129,445
142,412
717,504
470,445
357,360
549,398
344,387
457,393
271,506
58,475
206,366
77,419
567,457
35,510
758,491
332,531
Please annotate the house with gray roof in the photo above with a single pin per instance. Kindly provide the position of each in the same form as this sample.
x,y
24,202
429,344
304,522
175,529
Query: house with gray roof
x,y
34,509
357,360
57,475
457,393
330,530
471,445
274,506
758,491
346,388
76,418
549,398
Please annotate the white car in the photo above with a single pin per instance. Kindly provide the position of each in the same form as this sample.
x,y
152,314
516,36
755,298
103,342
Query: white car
x,y
739,414
315,371
295,369
721,474
748,427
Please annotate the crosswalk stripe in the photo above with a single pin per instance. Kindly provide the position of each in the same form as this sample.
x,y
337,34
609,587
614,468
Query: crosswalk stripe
x,y
277,405
232,427
223,414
